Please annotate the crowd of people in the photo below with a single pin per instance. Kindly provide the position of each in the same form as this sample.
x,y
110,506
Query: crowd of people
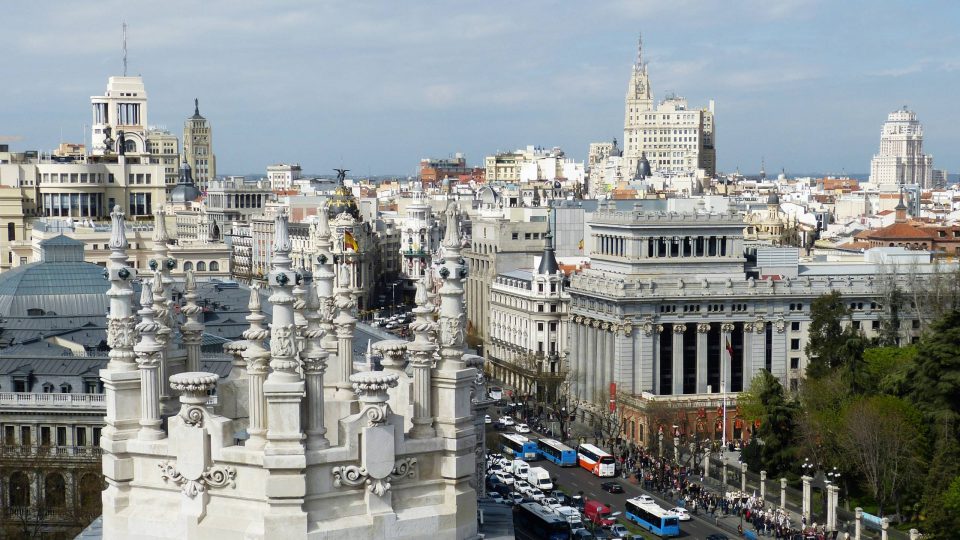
x,y
677,483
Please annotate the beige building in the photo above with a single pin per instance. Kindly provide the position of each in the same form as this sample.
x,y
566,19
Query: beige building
x,y
532,164
673,136
901,159
164,148
198,147
282,175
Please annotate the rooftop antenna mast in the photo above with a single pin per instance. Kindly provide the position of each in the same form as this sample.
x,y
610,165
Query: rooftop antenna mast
x,y
124,48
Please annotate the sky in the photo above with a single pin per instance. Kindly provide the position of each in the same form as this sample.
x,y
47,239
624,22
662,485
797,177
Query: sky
x,y
374,86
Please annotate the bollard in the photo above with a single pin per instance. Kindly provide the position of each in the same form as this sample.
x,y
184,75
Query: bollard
x,y
743,477
783,493
763,485
884,524
706,463
858,524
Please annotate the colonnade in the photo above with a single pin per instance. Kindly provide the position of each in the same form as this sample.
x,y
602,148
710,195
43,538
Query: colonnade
x,y
668,247
672,358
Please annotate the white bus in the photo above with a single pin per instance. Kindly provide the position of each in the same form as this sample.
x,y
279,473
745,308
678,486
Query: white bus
x,y
595,460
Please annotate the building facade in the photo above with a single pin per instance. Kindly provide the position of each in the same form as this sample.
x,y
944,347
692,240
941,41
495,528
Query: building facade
x,y
672,136
198,147
901,159
282,175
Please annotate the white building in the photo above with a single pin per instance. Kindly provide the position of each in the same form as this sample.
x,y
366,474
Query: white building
x,y
419,239
298,444
283,175
901,159
533,164
673,137
198,147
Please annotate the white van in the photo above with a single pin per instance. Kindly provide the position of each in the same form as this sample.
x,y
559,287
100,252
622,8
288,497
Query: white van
x,y
539,478
519,468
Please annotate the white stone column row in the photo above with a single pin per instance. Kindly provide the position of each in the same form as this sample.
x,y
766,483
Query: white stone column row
x,y
678,330
703,329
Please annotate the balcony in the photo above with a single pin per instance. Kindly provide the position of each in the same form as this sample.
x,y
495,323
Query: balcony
x,y
22,453
52,400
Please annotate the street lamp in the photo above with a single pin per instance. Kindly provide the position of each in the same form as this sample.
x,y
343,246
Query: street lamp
x,y
393,305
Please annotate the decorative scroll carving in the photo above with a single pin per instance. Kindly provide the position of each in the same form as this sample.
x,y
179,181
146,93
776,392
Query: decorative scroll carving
x,y
121,333
780,325
703,328
215,476
281,340
727,327
679,328
192,416
356,476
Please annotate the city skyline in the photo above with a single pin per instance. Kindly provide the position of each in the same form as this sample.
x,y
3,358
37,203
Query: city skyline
x,y
377,89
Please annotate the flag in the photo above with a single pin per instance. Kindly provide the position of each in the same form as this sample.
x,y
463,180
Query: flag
x,y
350,242
729,348
580,244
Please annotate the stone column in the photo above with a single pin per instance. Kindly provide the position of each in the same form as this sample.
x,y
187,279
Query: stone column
x,y
422,351
591,366
727,363
257,357
192,328
284,458
300,308
779,363
314,359
783,493
763,485
884,525
747,354
806,497
161,261
676,449
857,523
323,277
759,347
706,463
610,334
832,507
657,363
345,324
600,366
678,330
148,357
645,369
743,476
702,330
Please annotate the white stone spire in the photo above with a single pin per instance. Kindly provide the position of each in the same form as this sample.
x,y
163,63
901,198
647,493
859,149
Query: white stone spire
x,y
160,235
149,353
422,351
452,319
314,359
120,321
257,357
345,323
192,328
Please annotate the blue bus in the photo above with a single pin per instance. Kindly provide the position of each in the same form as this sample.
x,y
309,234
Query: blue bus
x,y
532,521
518,446
651,517
557,452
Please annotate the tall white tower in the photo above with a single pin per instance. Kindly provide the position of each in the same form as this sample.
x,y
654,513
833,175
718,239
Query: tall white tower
x,y
901,159
639,100
419,238
122,108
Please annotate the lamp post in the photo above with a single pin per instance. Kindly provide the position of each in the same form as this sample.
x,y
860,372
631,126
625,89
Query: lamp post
x,y
393,304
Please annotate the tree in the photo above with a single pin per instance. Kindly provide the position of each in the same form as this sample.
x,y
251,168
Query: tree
x,y
884,441
944,469
820,417
934,379
826,334
766,401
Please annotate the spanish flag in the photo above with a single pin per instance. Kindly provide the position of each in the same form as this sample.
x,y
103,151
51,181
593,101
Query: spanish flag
x,y
350,242
580,244
729,348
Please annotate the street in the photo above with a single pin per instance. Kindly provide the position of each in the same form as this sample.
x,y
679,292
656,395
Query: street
x,y
572,480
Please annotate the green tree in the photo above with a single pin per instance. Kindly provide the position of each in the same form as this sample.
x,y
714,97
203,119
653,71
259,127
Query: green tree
x,y
773,443
826,334
820,417
886,369
940,520
934,379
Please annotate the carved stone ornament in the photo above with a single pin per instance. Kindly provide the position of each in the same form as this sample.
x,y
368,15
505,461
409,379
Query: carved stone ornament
x,y
679,328
451,330
759,326
647,328
356,475
281,340
215,476
780,325
727,327
121,332
703,328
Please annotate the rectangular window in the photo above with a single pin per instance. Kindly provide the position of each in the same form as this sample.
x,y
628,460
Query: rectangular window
x,y
61,435
540,308
25,436
96,436
795,326
9,435
45,439
795,344
875,325
794,362
81,436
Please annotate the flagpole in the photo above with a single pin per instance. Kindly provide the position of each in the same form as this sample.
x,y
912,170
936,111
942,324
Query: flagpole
x,y
723,388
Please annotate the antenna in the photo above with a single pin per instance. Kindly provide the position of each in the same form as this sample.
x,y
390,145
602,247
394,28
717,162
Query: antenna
x,y
124,48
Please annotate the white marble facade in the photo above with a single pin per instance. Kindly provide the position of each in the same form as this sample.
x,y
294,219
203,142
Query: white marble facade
x,y
297,445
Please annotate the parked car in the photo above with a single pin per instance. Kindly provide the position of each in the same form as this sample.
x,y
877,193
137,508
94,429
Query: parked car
x,y
611,487
551,503
495,497
538,496
682,513
507,421
581,534
487,419
504,478
522,428
577,502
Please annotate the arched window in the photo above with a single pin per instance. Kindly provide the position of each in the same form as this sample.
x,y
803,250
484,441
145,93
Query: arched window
x,y
187,266
65,388
47,388
130,145
201,266
11,232
214,266
89,490
19,490
54,491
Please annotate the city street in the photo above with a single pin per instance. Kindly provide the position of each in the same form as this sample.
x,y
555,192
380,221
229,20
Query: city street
x,y
572,480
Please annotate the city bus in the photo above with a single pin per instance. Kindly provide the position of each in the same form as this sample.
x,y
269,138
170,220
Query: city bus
x,y
651,517
532,521
557,452
518,446
595,460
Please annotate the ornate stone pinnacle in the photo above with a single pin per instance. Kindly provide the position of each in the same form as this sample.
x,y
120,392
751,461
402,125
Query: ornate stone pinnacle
x,y
451,238
160,228
194,385
118,231
281,234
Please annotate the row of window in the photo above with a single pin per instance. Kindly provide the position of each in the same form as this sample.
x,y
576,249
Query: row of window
x,y
54,495
29,435
201,266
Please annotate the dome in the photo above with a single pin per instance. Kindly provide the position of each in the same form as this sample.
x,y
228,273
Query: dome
x,y
185,191
63,284
342,201
774,198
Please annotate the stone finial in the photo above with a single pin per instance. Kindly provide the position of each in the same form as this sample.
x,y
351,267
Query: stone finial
x,y
281,234
451,238
420,297
118,231
194,386
371,389
323,224
160,228
343,279
146,297
190,283
254,304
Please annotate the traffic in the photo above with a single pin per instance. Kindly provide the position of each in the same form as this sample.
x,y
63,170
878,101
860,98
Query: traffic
x,y
541,511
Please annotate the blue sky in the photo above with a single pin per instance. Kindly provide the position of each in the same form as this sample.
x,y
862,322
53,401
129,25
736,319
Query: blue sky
x,y
376,85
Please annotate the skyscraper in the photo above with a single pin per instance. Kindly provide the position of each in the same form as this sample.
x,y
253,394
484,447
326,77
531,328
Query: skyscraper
x,y
901,159
198,147
674,137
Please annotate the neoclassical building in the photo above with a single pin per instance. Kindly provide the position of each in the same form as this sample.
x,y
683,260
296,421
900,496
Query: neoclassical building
x,y
299,444
670,314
